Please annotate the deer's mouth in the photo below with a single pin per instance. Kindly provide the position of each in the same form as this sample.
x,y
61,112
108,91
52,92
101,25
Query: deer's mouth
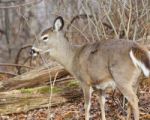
x,y
34,51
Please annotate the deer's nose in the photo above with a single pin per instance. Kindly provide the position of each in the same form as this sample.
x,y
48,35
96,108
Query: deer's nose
x,y
33,52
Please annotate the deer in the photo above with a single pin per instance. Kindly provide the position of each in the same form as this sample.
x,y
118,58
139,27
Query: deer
x,y
115,64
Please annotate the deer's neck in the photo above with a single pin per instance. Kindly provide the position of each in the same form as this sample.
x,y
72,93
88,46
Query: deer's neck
x,y
64,53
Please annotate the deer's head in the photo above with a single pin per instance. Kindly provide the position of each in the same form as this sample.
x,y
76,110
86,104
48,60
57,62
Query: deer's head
x,y
50,38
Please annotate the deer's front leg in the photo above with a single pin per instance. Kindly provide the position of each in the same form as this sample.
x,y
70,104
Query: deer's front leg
x,y
101,95
87,90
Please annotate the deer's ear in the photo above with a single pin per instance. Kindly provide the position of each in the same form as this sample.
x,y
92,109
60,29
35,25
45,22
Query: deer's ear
x,y
58,23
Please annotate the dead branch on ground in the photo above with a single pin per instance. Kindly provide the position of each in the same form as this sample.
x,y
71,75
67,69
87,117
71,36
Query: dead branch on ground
x,y
33,78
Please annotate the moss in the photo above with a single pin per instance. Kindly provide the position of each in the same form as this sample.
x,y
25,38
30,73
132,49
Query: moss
x,y
57,90
47,89
28,90
41,90
44,90
73,84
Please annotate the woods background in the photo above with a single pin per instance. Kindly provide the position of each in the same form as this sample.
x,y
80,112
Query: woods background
x,y
21,22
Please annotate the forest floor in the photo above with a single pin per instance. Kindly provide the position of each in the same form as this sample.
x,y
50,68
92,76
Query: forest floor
x,y
74,109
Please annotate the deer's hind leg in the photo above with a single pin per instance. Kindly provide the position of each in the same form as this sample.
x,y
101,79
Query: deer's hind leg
x,y
124,84
135,88
130,95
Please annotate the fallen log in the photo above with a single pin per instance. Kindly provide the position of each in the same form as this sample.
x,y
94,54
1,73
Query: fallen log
x,y
23,100
33,78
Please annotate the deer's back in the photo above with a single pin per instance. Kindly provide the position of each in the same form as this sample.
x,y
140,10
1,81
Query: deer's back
x,y
93,61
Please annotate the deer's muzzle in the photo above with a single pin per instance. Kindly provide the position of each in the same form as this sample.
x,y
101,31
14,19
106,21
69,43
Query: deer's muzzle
x,y
34,51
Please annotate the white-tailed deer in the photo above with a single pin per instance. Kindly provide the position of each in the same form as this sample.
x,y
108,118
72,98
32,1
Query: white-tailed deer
x,y
98,66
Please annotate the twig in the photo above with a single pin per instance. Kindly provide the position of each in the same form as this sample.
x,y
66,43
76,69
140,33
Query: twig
x,y
73,19
109,19
8,73
15,65
63,79
7,30
83,16
19,52
21,5
129,21
2,32
18,56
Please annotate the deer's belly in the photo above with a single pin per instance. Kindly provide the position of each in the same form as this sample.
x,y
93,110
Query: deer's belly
x,y
106,84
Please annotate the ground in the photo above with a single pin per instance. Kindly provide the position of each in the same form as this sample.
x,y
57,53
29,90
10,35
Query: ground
x,y
74,110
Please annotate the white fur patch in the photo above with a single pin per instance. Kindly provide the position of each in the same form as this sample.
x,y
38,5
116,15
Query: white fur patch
x,y
58,24
139,64
36,49
107,84
34,54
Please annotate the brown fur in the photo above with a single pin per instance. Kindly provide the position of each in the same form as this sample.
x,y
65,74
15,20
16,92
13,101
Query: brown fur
x,y
107,62
105,79
47,31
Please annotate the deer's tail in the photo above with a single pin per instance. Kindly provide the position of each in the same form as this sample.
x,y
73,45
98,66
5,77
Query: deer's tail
x,y
141,58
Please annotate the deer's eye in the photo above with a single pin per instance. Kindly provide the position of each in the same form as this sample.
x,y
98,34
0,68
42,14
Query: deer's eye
x,y
45,38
